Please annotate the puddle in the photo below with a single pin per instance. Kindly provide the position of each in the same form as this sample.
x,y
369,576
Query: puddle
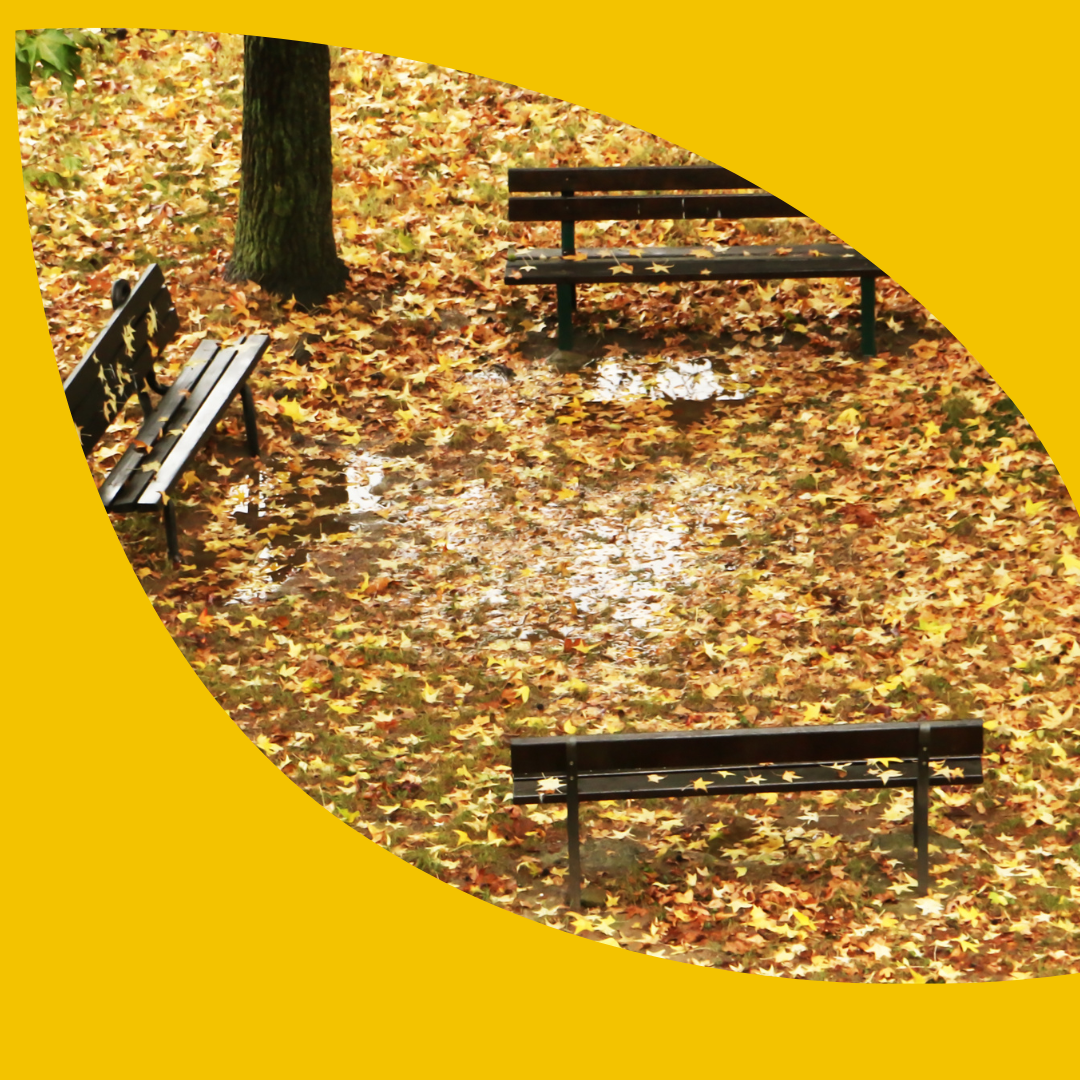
x,y
329,498
605,577
689,387
569,576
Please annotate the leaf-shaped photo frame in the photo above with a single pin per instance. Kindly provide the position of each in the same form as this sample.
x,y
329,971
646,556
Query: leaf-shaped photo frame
x,y
928,627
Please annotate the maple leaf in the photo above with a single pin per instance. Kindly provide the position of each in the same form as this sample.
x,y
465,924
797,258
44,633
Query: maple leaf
x,y
929,905
789,776
342,708
700,785
622,268
654,778
549,785
660,268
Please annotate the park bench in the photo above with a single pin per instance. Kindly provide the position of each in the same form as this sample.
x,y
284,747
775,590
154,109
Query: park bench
x,y
120,363
677,764
567,267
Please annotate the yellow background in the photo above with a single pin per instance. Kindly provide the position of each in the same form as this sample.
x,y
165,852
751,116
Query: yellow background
x,y
196,914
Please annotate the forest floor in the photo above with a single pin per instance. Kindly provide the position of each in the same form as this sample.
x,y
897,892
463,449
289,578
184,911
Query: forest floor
x,y
727,518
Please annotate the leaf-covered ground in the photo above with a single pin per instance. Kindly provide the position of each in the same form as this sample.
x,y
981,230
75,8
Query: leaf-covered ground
x,y
726,519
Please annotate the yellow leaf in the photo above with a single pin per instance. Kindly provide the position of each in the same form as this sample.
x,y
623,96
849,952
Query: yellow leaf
x,y
1033,508
1070,563
654,778
752,644
429,694
789,776
265,745
700,785
294,410
620,268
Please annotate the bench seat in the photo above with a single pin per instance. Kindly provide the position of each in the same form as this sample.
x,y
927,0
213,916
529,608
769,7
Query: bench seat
x,y
183,419
548,266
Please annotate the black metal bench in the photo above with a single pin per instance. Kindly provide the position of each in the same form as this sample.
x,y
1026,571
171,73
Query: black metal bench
x,y
566,267
120,363
676,764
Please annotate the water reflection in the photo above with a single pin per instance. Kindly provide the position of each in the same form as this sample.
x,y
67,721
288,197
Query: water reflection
x,y
549,568
689,387
329,499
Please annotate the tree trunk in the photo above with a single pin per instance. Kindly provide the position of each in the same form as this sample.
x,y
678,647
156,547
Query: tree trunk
x,y
284,231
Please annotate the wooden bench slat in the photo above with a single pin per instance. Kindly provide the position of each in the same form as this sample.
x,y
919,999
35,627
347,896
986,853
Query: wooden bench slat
x,y
206,378
548,266
649,207
155,424
86,395
640,178
145,289
726,747
746,780
227,382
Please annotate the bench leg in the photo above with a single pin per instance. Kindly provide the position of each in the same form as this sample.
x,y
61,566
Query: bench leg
x,y
145,403
868,305
922,811
251,423
566,299
573,838
168,513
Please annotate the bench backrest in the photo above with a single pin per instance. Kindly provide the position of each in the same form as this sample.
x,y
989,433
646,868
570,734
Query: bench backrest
x,y
829,743
117,364
569,206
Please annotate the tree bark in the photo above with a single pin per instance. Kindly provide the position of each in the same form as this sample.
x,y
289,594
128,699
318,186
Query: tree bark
x,y
284,230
